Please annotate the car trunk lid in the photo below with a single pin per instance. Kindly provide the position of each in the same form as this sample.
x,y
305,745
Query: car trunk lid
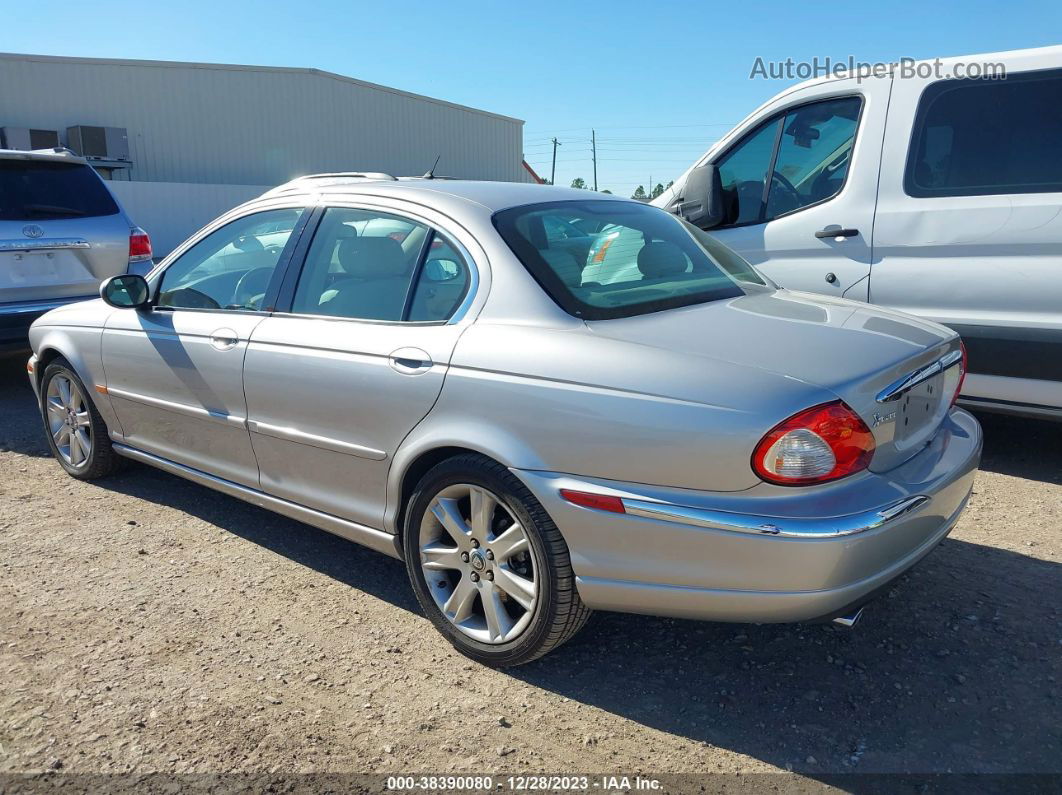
x,y
854,350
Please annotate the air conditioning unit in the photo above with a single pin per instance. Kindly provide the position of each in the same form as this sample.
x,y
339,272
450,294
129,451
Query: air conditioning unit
x,y
24,138
99,143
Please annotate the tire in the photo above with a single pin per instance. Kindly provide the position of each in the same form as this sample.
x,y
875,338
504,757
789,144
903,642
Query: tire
x,y
71,422
469,583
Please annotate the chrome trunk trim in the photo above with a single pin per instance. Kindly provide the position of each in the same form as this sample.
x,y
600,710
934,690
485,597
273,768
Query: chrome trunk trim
x,y
352,531
44,244
772,525
896,389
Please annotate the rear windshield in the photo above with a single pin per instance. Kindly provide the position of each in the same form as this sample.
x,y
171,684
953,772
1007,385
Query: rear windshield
x,y
40,189
607,259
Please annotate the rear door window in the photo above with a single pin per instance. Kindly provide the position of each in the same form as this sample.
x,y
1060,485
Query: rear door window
x,y
982,137
369,265
34,190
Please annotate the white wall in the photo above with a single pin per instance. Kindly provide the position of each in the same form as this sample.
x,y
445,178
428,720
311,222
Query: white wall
x,y
171,211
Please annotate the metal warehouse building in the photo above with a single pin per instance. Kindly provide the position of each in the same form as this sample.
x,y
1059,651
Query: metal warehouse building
x,y
182,142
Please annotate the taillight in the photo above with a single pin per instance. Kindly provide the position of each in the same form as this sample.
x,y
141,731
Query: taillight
x,y
139,245
962,373
822,443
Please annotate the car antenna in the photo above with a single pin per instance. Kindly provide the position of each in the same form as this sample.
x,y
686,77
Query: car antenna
x,y
431,171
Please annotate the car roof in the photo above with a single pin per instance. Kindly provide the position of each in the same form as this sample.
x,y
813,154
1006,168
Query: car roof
x,y
493,196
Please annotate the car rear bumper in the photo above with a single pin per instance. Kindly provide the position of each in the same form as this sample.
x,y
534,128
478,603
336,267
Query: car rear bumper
x,y
16,318
769,554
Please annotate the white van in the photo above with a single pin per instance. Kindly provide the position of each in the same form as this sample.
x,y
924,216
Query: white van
x,y
918,190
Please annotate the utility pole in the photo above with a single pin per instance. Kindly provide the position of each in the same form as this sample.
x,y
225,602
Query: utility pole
x,y
553,171
593,148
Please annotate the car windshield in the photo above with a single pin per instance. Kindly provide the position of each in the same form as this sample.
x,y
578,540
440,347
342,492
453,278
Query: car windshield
x,y
601,259
41,189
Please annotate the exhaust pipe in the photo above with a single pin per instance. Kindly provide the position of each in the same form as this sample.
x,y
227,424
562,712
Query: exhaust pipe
x,y
848,621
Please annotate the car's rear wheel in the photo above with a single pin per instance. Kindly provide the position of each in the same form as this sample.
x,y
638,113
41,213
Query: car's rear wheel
x,y
488,566
76,432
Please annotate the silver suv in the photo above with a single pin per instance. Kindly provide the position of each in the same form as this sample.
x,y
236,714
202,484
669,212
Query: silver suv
x,y
61,234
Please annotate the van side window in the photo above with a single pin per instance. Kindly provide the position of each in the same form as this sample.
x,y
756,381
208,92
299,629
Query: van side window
x,y
806,152
982,137
813,155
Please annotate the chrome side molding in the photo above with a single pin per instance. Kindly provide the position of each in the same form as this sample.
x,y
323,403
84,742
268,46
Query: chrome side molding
x,y
325,443
789,527
179,408
896,389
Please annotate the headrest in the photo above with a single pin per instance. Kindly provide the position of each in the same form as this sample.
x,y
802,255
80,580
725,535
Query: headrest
x,y
661,258
564,265
372,257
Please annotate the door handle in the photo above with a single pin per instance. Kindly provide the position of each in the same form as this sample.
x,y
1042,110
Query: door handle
x,y
836,232
410,361
224,339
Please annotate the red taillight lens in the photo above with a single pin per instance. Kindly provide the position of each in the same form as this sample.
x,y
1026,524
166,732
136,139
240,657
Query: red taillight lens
x,y
962,373
600,502
823,443
139,245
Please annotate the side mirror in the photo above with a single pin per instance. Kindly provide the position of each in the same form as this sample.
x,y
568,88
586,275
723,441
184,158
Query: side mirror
x,y
128,291
702,198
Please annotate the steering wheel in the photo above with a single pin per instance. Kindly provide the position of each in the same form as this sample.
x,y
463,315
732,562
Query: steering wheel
x,y
793,196
188,298
252,283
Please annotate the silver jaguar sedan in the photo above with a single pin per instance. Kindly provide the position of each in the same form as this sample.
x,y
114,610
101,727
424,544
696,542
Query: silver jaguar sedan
x,y
441,371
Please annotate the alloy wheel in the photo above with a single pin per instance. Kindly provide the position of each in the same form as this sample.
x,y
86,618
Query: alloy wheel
x,y
69,421
477,563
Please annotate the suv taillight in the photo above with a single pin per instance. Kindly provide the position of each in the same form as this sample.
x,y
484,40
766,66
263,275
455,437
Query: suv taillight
x,y
822,443
139,245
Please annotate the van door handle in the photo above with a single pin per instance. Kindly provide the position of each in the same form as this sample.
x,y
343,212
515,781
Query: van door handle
x,y
410,361
224,339
835,231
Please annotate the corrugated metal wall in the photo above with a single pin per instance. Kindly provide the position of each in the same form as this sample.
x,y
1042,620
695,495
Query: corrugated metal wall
x,y
256,126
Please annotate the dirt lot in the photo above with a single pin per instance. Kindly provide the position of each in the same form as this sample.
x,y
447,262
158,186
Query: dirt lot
x,y
149,624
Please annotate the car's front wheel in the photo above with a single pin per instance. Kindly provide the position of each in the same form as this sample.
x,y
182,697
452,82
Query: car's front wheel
x,y
488,565
76,432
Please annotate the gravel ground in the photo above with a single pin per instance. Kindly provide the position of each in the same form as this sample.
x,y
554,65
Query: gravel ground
x,y
151,625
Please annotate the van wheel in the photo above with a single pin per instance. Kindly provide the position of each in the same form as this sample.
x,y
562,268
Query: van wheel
x,y
488,565
76,432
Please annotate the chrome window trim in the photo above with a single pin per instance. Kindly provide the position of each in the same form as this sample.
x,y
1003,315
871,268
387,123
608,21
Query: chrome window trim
x,y
897,388
786,527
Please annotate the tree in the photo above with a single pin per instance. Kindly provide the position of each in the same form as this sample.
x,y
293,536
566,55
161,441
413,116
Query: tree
x,y
639,193
606,190
669,184
657,191
579,183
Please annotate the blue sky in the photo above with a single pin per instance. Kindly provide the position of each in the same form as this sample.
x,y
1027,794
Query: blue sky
x,y
659,81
